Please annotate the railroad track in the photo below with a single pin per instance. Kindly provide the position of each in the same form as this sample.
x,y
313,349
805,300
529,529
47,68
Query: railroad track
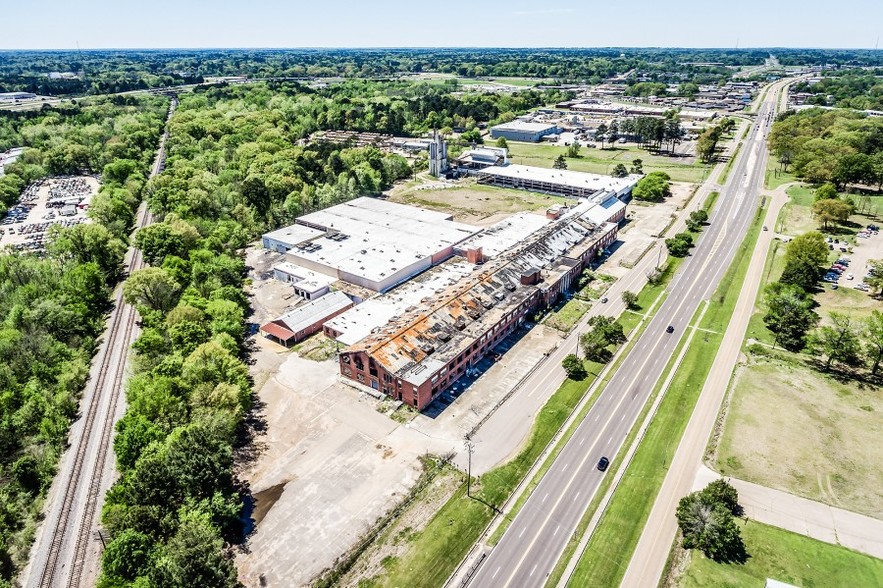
x,y
98,423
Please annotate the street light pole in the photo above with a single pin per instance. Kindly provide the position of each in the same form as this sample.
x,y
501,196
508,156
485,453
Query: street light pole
x,y
470,447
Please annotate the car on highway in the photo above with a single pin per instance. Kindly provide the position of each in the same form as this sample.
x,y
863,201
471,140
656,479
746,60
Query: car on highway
x,y
604,300
603,463
670,329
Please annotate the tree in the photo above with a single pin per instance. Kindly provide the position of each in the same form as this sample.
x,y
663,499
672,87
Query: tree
x,y
875,276
604,332
630,299
804,259
613,132
573,150
829,211
560,162
706,145
151,287
872,335
836,342
709,527
501,142
826,191
601,133
194,556
573,367
619,171
89,242
679,245
789,314
722,492
653,187
637,167
697,219
127,555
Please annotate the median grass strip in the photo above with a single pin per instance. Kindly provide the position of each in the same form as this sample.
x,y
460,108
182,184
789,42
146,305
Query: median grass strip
x,y
633,327
611,546
725,174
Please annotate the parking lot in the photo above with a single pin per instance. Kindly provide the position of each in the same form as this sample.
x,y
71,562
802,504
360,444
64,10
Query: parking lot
x,y
51,201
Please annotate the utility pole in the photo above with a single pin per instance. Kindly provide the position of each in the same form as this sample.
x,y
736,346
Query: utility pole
x,y
470,447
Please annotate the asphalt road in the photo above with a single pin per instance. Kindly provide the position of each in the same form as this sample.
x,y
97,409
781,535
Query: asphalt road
x,y
530,548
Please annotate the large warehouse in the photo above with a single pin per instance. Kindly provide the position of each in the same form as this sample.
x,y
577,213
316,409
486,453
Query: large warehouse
x,y
368,242
416,355
518,130
557,181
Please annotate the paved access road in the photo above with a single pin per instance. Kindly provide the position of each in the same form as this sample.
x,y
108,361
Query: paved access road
x,y
530,548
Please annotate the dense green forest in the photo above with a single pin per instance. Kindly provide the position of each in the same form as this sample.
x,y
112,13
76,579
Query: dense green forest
x,y
52,307
860,89
107,71
843,147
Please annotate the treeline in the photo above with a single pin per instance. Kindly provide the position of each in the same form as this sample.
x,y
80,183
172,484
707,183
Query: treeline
x,y
859,89
52,306
843,147
652,132
707,143
101,71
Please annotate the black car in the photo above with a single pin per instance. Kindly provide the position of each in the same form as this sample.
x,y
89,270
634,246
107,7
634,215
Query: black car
x,y
603,463
670,329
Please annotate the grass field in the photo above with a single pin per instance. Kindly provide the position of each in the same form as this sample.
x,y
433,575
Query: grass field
x,y
610,548
797,216
784,421
786,557
471,201
602,161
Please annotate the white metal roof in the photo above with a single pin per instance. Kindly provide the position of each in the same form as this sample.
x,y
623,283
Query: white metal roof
x,y
314,311
564,177
524,127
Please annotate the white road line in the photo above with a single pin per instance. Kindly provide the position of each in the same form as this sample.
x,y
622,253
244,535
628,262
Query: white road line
x,y
522,532
534,569
583,440
564,469
545,497
558,528
497,572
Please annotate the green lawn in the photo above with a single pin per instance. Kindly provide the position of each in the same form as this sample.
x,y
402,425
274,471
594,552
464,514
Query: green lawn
x,y
786,557
796,217
775,177
602,161
611,546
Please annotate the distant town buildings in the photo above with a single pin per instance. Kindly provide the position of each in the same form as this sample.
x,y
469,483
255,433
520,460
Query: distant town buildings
x,y
13,96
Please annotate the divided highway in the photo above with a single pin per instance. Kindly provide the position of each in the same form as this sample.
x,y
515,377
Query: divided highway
x,y
65,550
535,540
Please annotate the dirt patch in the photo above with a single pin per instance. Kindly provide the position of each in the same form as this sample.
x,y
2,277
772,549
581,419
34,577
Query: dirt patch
x,y
795,429
265,499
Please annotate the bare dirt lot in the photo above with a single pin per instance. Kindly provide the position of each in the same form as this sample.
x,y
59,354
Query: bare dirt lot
x,y
794,429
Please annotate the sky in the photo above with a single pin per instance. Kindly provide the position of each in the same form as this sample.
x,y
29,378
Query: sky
x,y
63,24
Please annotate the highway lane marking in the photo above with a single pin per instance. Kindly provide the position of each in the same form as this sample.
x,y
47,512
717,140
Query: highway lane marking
x,y
522,532
545,497
583,440
722,232
564,469
660,340
558,528
534,569
497,572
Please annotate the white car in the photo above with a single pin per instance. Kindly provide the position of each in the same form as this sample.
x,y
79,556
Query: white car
x,y
850,277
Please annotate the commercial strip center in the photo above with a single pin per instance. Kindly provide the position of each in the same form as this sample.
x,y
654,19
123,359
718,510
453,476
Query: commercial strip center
x,y
425,297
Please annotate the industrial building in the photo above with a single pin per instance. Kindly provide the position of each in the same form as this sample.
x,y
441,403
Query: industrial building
x,y
557,181
518,130
307,319
415,354
482,157
13,96
368,242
